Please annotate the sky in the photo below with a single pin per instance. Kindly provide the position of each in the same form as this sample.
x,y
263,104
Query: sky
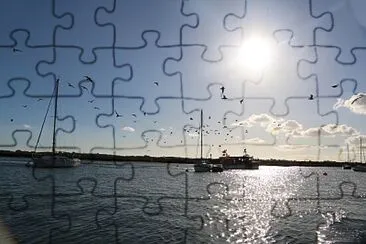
x,y
283,79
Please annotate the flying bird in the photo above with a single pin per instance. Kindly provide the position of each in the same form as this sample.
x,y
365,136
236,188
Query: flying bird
x,y
70,85
15,50
334,86
117,114
145,113
11,120
24,106
156,83
84,88
97,108
88,78
311,97
134,115
91,101
190,118
39,99
241,101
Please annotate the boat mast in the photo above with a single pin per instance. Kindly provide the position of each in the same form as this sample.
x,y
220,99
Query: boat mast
x,y
347,153
201,133
54,121
360,150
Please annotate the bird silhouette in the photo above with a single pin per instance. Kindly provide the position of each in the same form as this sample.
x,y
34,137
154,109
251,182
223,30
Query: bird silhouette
x,y
88,78
24,106
11,120
117,114
190,118
39,99
241,101
334,86
91,101
145,113
224,97
97,108
156,83
70,85
85,88
222,88
16,50
311,97
209,117
134,115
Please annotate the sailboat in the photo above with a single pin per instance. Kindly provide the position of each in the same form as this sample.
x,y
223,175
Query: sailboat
x,y
53,160
360,167
204,166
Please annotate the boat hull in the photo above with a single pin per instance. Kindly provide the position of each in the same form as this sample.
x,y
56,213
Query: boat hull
x,y
55,162
241,166
359,168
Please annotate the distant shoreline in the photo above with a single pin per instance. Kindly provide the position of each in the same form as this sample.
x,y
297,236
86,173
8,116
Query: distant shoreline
x,y
108,157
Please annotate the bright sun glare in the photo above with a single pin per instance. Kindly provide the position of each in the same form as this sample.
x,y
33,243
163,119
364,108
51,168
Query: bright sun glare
x,y
255,54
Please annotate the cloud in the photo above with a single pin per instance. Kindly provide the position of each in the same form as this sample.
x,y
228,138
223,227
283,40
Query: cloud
x,y
294,128
127,128
27,126
356,103
254,140
355,140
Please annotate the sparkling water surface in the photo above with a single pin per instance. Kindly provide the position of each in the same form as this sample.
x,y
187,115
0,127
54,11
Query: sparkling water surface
x,y
169,203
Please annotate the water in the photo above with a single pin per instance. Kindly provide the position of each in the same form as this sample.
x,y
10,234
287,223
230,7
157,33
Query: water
x,y
160,203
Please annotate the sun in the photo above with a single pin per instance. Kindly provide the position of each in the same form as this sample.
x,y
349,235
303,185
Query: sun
x,y
255,54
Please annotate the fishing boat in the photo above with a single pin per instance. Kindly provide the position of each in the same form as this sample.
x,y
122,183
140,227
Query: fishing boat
x,y
238,162
204,165
53,160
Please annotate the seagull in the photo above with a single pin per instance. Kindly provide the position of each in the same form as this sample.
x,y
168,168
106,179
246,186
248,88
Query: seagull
x,y
224,97
134,115
117,114
354,100
39,99
11,120
190,118
241,101
70,85
311,97
334,86
88,78
156,83
91,101
97,108
24,106
15,50
84,88
222,90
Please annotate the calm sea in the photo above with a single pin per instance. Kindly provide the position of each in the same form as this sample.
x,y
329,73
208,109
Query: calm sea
x,y
169,203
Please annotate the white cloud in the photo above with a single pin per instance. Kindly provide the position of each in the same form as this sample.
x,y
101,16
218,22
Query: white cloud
x,y
254,140
129,129
294,128
27,126
356,103
355,140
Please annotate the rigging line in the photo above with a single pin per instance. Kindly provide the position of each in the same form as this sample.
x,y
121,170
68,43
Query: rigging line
x,y
44,119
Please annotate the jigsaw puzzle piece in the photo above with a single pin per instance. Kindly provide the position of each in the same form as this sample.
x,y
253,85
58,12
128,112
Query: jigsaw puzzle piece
x,y
210,32
280,79
346,23
21,113
329,74
266,17
149,79
230,72
162,16
87,40
19,62
136,130
172,218
20,15
38,216
76,73
81,208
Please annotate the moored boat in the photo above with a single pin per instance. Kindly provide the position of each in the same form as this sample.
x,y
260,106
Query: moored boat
x,y
238,162
359,168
